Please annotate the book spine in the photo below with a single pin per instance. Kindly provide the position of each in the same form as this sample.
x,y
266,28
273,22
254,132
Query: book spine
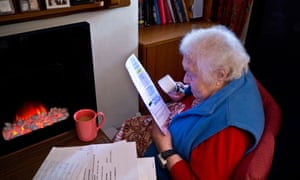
x,y
185,11
171,11
148,14
177,10
167,12
141,13
179,2
162,11
156,14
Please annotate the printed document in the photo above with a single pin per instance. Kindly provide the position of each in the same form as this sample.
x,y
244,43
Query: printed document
x,y
112,161
148,92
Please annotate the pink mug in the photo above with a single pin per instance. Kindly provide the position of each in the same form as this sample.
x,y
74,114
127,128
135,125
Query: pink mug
x,y
86,124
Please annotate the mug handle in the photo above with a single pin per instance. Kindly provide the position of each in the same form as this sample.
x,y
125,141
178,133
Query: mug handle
x,y
101,123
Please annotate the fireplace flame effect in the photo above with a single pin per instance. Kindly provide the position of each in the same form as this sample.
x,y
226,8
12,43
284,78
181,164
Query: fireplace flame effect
x,y
30,111
32,118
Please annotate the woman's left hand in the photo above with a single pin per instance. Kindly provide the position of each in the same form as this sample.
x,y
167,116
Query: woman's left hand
x,y
162,141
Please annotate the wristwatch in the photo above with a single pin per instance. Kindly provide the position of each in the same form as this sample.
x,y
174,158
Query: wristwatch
x,y
164,155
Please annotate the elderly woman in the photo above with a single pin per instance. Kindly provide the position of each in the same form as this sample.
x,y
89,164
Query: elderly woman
x,y
221,118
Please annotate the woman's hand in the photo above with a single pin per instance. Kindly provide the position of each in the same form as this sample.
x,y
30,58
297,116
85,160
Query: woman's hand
x,y
176,96
162,142
179,93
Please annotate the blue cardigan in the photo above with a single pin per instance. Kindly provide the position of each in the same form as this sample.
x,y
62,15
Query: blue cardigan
x,y
237,104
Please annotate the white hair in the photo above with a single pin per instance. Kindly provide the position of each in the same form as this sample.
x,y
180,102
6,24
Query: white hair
x,y
215,47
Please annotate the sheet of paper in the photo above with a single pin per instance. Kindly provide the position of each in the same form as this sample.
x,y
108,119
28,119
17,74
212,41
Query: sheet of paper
x,y
146,167
148,92
116,162
112,161
62,164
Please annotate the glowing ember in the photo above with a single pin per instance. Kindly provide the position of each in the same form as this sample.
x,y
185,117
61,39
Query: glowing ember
x,y
35,118
30,110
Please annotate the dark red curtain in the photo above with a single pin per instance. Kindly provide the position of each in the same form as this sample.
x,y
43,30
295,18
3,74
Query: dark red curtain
x,y
232,13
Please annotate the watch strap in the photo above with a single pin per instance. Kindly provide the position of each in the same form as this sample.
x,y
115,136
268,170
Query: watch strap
x,y
167,153
164,155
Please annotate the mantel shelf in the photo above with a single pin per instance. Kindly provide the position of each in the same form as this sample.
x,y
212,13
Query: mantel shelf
x,y
48,13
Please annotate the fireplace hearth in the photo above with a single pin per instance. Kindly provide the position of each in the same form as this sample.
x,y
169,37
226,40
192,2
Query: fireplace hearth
x,y
46,76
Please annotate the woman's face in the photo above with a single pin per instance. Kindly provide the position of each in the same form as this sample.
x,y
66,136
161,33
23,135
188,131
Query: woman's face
x,y
200,88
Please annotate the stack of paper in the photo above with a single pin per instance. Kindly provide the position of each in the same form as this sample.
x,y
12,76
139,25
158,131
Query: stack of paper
x,y
114,161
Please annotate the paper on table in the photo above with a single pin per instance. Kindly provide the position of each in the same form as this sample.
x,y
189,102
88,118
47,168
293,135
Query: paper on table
x,y
62,164
148,92
120,160
115,161
146,167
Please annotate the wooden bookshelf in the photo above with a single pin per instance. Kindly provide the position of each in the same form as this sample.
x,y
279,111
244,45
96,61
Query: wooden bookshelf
x,y
48,13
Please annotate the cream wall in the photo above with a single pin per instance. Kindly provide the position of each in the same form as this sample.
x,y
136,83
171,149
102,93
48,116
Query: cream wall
x,y
114,34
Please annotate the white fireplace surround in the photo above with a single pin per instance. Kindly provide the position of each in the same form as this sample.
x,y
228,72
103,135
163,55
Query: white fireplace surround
x,y
114,34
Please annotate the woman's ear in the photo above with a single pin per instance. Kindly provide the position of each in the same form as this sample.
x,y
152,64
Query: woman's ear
x,y
222,74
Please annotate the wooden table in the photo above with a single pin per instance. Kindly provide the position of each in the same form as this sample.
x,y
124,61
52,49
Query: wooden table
x,y
24,164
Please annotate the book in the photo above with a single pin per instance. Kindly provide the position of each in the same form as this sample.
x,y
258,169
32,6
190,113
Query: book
x,y
148,12
171,11
167,12
156,14
148,92
181,9
141,13
185,11
162,13
177,10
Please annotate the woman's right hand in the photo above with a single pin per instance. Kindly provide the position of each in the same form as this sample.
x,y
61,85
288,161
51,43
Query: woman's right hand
x,y
179,93
176,96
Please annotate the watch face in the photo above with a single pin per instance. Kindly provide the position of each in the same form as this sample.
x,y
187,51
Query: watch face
x,y
164,155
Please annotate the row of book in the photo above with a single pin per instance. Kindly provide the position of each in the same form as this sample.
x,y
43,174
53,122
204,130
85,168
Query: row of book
x,y
167,11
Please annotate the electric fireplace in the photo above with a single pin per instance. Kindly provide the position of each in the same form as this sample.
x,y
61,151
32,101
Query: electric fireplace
x,y
46,75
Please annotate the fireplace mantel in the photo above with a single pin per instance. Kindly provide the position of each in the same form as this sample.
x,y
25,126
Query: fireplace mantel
x,y
44,13
24,164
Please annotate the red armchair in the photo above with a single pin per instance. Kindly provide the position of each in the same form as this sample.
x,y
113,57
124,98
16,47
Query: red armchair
x,y
257,164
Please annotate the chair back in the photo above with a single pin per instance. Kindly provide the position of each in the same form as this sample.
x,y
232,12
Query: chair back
x,y
257,164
